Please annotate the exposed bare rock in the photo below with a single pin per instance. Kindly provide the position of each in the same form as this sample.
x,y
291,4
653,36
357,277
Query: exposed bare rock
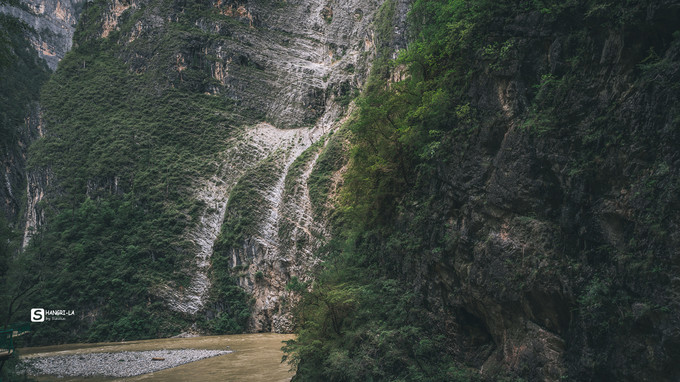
x,y
54,21
247,149
299,63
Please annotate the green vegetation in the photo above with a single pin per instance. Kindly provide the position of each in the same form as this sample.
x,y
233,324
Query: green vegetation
x,y
230,302
297,168
125,146
330,160
450,177
359,331
22,74
375,312
246,205
105,253
361,321
16,279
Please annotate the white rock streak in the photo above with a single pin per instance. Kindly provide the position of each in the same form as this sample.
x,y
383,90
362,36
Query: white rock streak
x,y
214,194
297,146
259,142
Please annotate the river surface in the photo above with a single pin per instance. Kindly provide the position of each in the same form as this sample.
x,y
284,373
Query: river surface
x,y
255,357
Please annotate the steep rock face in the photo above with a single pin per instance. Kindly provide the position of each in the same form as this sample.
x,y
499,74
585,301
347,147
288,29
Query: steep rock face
x,y
306,78
22,189
262,261
54,21
36,184
22,73
557,217
14,166
531,221
298,64
274,76
287,60
37,181
53,24
248,150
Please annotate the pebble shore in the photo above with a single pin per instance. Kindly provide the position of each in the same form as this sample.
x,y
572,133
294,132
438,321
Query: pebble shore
x,y
121,364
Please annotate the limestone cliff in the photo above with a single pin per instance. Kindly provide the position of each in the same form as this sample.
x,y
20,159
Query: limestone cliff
x,y
53,20
277,79
298,64
532,231
51,25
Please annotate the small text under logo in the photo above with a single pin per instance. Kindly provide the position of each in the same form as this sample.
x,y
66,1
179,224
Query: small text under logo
x,y
41,315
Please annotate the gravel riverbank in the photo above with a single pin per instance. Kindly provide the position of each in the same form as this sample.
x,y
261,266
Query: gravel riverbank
x,y
120,364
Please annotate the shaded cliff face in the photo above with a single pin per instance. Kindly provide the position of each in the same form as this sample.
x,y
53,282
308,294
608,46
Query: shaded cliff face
x,y
53,20
22,73
563,210
49,32
14,166
527,193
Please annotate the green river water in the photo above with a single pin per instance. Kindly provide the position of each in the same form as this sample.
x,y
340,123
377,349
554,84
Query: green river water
x,y
256,357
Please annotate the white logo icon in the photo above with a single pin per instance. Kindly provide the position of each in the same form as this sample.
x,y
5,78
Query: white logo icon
x,y
37,315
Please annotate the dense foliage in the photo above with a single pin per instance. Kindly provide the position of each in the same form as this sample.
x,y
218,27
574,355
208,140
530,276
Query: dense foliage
x,y
22,74
516,167
380,309
125,147
360,321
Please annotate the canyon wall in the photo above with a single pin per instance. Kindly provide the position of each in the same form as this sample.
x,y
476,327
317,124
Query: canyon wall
x,y
54,22
271,81
193,154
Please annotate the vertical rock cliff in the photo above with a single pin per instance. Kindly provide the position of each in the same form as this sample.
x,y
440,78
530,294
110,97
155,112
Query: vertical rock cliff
x,y
298,64
500,202
514,199
207,119
22,73
49,27
54,22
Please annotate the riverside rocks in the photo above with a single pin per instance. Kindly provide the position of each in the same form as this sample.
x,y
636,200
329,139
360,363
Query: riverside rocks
x,y
119,364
